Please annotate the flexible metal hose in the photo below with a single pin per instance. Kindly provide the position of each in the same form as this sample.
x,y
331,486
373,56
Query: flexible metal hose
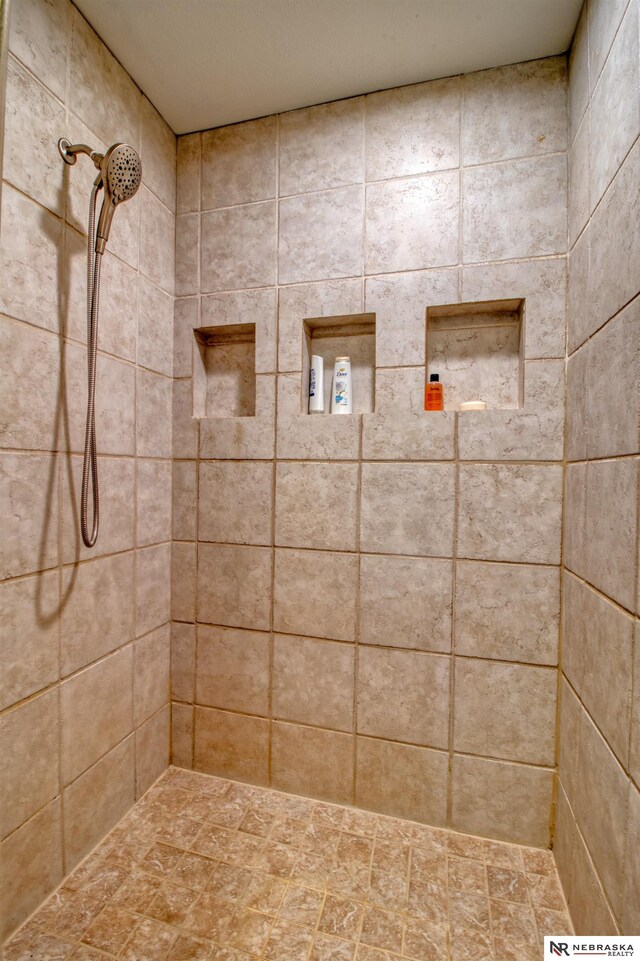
x,y
90,461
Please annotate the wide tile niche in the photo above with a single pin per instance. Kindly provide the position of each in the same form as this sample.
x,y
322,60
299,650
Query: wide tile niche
x,y
225,371
349,335
477,349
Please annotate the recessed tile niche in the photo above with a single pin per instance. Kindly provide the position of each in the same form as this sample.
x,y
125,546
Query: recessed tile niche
x,y
225,371
351,335
477,349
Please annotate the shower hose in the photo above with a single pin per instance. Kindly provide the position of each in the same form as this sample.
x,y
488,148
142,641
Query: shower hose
x,y
90,462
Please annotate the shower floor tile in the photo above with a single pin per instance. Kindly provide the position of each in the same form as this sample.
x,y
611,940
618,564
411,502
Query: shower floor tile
x,y
205,869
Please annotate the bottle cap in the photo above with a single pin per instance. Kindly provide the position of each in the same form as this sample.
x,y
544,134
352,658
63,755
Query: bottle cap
x,y
342,358
434,379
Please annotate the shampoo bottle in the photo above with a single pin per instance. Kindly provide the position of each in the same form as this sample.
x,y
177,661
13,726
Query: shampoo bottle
x,y
433,397
316,385
341,390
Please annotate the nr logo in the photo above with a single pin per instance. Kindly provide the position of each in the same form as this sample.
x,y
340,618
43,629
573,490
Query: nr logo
x,y
559,948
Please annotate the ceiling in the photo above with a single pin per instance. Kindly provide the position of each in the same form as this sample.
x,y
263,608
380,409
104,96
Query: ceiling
x,y
205,63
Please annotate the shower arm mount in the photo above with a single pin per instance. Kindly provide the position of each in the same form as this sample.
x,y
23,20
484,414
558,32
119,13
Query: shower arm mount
x,y
69,152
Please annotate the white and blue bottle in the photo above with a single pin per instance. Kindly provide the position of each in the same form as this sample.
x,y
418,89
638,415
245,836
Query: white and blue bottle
x,y
341,389
316,385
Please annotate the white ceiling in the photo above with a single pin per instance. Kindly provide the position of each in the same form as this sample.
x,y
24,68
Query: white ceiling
x,y
204,63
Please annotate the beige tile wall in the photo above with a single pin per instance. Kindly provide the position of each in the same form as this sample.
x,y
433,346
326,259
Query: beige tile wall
x,y
366,608
84,646
596,838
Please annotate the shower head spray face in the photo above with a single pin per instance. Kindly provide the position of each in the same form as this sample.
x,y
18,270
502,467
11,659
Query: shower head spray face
x,y
121,172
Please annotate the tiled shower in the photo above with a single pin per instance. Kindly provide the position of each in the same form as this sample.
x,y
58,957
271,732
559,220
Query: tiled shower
x,y
421,616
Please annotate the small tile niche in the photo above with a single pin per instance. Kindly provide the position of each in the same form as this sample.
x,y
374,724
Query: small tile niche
x,y
225,371
477,349
350,335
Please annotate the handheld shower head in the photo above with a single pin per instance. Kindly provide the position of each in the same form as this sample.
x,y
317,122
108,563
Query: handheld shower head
x,y
121,173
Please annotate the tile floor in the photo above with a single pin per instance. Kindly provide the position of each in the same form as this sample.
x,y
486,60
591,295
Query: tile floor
x,y
204,868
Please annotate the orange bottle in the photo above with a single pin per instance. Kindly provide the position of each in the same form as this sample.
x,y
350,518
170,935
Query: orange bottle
x,y
433,397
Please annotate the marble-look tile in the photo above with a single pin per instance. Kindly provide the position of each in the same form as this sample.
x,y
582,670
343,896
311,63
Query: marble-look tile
x,y
246,307
610,528
316,506
97,800
182,735
185,427
405,602
402,780
416,683
399,302
575,506
238,247
152,749
29,636
321,147
406,434
183,661
394,495
412,224
183,581
304,437
234,585
153,415
29,506
580,314
96,711
510,209
329,610
604,19
615,106
33,121
413,129
187,246
157,241
94,71
507,612
613,404
183,497
30,387
188,167
579,206
320,235
312,761
502,800
615,244
151,665
115,403
578,74
510,513
233,669
39,37
158,155
505,710
577,396
186,313
313,682
32,866
598,651
514,111
84,637
153,502
30,257
153,580
535,433
239,163
631,900
235,502
601,807
231,745
332,298
243,438
29,749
